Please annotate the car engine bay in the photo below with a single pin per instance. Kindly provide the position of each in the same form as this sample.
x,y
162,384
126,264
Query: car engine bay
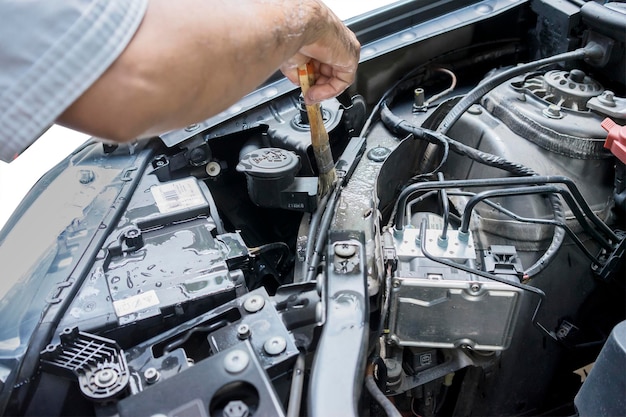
x,y
469,259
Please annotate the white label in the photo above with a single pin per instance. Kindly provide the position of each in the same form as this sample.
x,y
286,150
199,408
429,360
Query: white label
x,y
178,195
136,303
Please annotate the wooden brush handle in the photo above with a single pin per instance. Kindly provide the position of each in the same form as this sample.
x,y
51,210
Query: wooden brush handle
x,y
319,135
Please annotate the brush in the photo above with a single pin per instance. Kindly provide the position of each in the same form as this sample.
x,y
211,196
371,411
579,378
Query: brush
x,y
319,135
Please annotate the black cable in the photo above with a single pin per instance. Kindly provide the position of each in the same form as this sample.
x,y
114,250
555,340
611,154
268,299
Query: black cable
x,y
484,274
320,240
445,209
402,127
568,230
393,90
605,20
534,190
574,198
314,230
487,85
389,408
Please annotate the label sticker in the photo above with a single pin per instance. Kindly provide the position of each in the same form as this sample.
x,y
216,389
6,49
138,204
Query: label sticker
x,y
136,303
178,195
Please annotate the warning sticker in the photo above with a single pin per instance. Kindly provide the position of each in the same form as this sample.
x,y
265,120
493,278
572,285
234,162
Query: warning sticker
x,y
136,303
178,195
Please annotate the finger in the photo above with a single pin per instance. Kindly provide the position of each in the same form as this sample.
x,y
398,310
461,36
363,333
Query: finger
x,y
290,67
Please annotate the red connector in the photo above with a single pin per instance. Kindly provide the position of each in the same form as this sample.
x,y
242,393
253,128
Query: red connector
x,y
616,139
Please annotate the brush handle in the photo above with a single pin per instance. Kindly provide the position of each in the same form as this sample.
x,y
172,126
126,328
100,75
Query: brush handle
x,y
319,135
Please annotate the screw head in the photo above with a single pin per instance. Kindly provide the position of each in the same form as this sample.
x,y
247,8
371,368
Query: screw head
x,y
243,331
275,345
474,287
607,98
151,375
553,111
345,250
254,303
236,361
105,378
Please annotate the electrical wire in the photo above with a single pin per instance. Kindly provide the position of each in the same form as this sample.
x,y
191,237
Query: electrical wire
x,y
532,190
284,249
445,209
314,230
444,92
591,50
539,293
398,125
392,91
320,240
521,219
574,199
389,408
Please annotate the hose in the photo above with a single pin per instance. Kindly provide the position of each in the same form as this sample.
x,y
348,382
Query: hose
x,y
297,382
521,219
400,126
539,293
591,50
608,21
378,395
320,238
445,208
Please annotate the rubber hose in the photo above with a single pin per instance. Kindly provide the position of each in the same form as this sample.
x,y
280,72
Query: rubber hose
x,y
605,20
379,397
487,85
402,127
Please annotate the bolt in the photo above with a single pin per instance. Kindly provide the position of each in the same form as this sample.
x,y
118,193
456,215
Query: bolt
x,y
553,111
474,288
192,127
236,408
395,283
151,375
254,303
378,154
344,250
105,378
607,98
275,345
243,331
418,100
236,361
213,169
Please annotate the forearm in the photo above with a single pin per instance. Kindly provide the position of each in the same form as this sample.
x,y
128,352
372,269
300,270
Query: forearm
x,y
193,58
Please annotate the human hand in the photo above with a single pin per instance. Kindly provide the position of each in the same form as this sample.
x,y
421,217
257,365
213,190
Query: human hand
x,y
334,52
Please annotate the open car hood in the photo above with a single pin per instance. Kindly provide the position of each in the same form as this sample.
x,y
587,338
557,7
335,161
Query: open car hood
x,y
467,261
